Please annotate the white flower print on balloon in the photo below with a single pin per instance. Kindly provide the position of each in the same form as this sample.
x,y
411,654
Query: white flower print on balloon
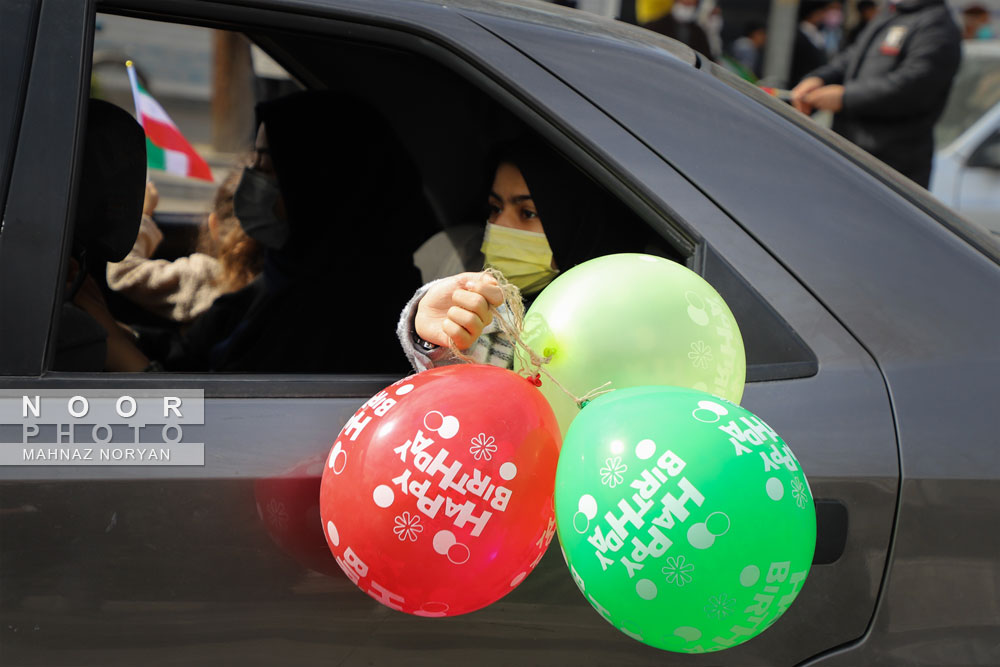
x,y
407,527
612,474
678,571
720,606
799,493
482,447
700,354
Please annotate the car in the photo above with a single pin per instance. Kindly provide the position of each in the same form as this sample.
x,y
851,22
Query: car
x,y
868,310
966,173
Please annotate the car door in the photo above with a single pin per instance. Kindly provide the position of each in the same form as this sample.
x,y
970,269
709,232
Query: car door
x,y
186,562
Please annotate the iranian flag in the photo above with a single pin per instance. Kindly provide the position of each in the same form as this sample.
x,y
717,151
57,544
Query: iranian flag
x,y
166,147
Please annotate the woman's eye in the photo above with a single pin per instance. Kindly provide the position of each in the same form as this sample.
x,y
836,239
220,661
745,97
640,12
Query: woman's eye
x,y
492,211
528,214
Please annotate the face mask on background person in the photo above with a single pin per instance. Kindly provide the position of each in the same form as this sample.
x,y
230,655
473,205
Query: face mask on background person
x,y
834,18
683,13
524,258
254,202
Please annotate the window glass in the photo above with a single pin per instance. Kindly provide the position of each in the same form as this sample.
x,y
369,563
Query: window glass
x,y
425,142
205,80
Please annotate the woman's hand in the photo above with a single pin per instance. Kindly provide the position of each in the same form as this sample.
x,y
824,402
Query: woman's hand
x,y
457,309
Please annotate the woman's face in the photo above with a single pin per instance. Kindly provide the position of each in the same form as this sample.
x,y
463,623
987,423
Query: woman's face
x,y
510,203
262,163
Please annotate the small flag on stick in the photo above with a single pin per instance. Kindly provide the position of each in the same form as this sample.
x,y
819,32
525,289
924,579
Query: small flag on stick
x,y
166,147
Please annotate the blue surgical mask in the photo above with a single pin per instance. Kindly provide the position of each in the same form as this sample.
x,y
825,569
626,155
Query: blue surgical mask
x,y
254,202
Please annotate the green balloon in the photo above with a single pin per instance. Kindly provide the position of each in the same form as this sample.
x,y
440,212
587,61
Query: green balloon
x,y
633,319
684,519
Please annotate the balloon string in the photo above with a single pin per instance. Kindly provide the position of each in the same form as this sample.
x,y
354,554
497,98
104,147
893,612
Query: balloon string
x,y
511,330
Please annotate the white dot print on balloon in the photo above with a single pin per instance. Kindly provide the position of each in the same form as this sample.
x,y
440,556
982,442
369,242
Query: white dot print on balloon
x,y
383,495
634,634
331,532
702,535
338,459
585,513
775,489
750,575
445,426
508,471
518,579
709,412
432,609
404,390
446,545
687,633
645,589
696,308
645,449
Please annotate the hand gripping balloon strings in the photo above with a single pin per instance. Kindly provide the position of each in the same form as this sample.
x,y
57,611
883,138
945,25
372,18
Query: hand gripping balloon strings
x,y
511,328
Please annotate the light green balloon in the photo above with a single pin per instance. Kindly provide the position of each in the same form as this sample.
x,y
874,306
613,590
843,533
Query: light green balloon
x,y
633,319
685,520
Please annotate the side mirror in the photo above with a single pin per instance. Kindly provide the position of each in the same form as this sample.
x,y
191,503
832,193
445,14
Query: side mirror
x,y
988,153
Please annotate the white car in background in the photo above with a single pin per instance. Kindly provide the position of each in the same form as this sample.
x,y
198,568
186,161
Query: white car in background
x,y
966,173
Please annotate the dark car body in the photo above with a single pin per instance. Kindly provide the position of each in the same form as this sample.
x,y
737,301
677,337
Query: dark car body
x,y
870,315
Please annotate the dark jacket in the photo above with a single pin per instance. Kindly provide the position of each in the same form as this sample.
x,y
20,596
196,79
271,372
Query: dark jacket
x,y
896,79
806,57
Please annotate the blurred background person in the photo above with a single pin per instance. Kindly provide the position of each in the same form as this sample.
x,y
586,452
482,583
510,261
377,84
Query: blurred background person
x,y
833,28
181,289
711,20
809,48
867,9
747,50
976,23
888,90
681,24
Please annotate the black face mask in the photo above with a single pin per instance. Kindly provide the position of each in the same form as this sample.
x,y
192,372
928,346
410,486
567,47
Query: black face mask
x,y
253,203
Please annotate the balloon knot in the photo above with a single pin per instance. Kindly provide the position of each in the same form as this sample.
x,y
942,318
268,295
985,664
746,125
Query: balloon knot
x,y
536,379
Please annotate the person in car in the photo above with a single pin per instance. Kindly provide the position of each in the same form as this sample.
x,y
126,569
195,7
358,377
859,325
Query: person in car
x,y
544,217
334,198
181,289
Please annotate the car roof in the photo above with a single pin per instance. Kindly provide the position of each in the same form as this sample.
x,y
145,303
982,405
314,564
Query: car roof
x,y
574,20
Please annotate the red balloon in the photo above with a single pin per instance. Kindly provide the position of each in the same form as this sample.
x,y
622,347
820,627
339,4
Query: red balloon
x,y
437,495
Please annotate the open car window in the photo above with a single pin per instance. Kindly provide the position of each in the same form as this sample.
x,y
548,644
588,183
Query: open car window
x,y
447,131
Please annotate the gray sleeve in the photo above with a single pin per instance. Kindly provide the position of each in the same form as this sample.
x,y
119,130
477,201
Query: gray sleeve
x,y
419,359
489,348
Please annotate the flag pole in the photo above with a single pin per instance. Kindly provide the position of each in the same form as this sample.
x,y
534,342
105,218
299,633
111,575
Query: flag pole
x,y
134,84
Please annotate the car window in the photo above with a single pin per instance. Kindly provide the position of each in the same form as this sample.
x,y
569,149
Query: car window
x,y
447,126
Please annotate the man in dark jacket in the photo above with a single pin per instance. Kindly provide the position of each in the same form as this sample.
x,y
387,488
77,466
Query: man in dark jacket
x,y
889,88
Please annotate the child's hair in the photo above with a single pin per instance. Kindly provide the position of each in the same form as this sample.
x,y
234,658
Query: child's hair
x,y
241,257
